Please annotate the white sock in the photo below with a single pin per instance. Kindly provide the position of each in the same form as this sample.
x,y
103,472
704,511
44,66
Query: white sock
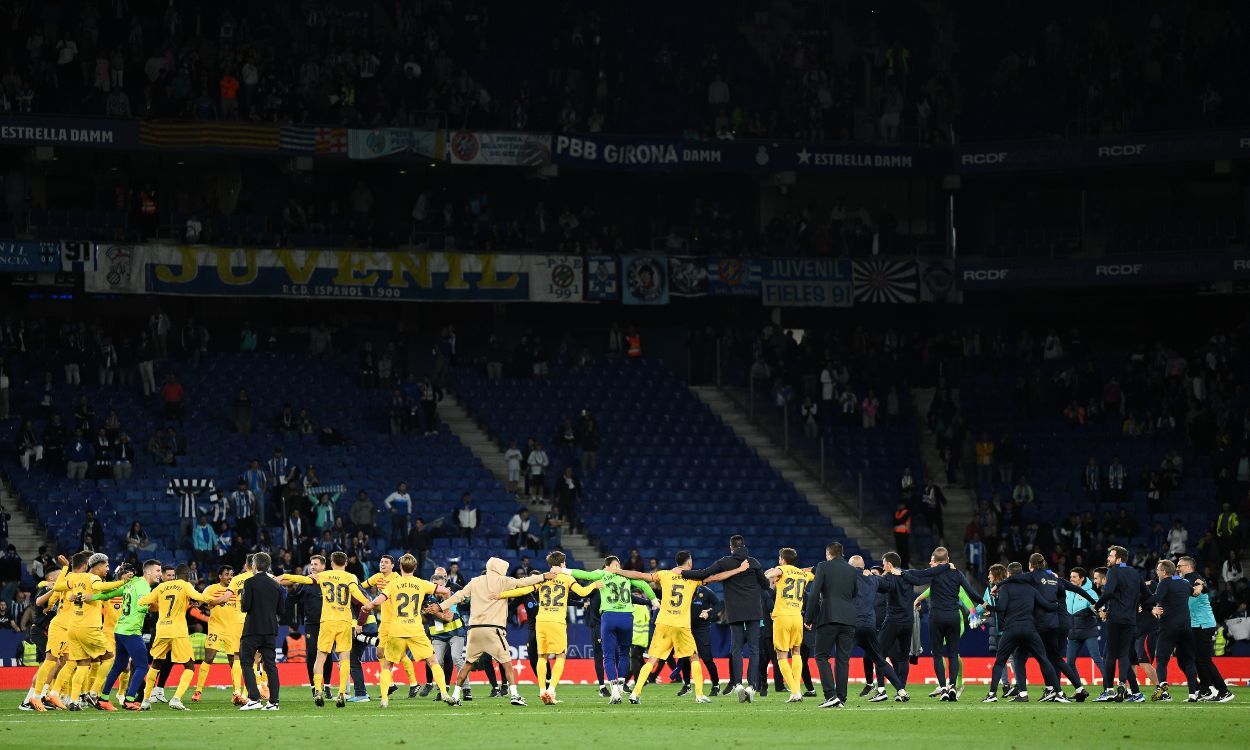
x,y
455,693
30,693
512,691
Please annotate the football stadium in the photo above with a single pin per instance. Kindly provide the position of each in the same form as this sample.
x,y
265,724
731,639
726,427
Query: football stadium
x,y
764,372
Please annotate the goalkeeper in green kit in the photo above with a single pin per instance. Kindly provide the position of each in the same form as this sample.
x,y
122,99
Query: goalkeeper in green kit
x,y
616,625
131,650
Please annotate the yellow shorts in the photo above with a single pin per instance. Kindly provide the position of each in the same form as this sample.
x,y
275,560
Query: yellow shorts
x,y
335,637
177,650
58,640
397,646
671,639
384,632
553,637
87,643
787,633
222,643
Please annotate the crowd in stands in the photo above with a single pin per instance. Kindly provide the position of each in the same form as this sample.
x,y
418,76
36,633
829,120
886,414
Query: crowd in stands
x,y
914,72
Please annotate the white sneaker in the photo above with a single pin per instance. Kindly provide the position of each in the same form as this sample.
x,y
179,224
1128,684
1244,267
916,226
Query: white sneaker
x,y
795,698
252,706
270,707
158,695
145,706
615,698
750,693
702,699
176,704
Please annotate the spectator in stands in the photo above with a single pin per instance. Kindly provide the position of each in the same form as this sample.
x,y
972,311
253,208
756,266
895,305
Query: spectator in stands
x,y
295,533
589,441
367,366
932,499
1005,459
1227,530
467,516
280,472
29,446
974,552
1177,539
1116,475
538,463
84,416
807,411
287,425
420,539
203,541
985,460
137,539
241,413
1091,481
42,563
1156,494
907,486
78,455
145,355
1230,571
363,514
902,532
634,562
91,535
512,459
172,396
399,503
552,526
519,536
123,458
869,409
1023,492
568,493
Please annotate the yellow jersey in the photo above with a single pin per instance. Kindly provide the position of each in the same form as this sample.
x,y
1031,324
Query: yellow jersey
x,y
223,618
236,588
338,588
380,581
790,587
88,614
553,596
676,594
112,613
402,608
171,599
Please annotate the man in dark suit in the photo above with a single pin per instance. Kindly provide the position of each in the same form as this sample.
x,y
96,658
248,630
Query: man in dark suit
x,y
1121,596
743,611
262,600
831,610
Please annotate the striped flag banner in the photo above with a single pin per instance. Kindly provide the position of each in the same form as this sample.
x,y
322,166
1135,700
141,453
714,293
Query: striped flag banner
x,y
295,138
224,135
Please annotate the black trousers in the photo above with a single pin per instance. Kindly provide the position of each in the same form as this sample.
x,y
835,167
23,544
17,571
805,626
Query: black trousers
x,y
355,669
944,640
768,655
598,653
894,640
1179,640
1023,641
310,655
1119,654
744,634
805,654
833,639
635,662
1204,661
249,646
866,639
1054,641
703,642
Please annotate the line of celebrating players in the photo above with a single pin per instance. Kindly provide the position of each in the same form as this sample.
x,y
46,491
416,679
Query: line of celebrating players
x,y
1022,609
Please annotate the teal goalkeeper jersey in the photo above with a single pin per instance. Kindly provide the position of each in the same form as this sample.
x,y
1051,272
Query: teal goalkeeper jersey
x,y
615,595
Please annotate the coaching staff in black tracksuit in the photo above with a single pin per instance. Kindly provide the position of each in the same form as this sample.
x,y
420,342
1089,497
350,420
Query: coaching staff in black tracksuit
x,y
945,613
1049,622
1121,595
894,638
866,630
1170,604
1014,606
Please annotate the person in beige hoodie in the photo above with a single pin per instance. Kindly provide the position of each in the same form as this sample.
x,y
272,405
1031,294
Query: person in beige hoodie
x,y
488,616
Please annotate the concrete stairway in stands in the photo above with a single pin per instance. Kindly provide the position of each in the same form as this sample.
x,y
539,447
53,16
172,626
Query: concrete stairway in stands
x,y
24,533
960,501
475,438
832,507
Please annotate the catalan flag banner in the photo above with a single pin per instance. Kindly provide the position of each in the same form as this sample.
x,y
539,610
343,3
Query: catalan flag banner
x,y
229,136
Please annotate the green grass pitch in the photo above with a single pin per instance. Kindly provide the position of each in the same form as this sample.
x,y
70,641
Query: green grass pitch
x,y
662,721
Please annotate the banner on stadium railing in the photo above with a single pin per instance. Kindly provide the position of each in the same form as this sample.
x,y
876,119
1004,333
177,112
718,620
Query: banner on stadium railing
x,y
216,136
1123,150
1116,270
881,281
687,276
937,282
499,148
603,279
806,282
556,278
31,130
644,280
381,142
733,277
310,274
